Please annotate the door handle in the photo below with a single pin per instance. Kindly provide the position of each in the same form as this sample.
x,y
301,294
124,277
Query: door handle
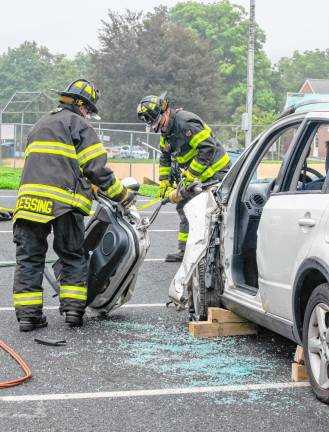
x,y
309,223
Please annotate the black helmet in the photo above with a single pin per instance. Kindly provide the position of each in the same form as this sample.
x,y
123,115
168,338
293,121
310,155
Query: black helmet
x,y
84,91
150,108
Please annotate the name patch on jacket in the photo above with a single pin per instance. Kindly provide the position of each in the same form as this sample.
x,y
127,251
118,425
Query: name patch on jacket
x,y
35,205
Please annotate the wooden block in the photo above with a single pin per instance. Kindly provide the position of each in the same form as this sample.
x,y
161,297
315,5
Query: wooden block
x,y
237,329
298,372
148,181
221,315
299,355
208,329
203,329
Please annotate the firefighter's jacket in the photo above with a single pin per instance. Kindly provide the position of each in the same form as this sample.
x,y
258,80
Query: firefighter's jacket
x,y
63,151
190,142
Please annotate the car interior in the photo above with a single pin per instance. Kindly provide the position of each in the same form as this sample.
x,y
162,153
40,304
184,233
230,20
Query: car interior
x,y
309,175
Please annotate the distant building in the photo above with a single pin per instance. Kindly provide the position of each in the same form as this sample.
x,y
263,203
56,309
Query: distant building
x,y
318,87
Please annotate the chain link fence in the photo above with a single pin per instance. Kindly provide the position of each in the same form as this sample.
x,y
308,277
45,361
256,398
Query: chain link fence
x,y
131,151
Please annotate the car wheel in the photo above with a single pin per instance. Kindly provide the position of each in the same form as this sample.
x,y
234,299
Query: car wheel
x,y
316,341
201,297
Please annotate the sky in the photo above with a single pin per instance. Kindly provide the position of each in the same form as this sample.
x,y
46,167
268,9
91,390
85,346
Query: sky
x,y
69,26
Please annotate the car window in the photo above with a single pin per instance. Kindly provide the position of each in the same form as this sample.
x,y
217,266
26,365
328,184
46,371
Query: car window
x,y
268,167
312,164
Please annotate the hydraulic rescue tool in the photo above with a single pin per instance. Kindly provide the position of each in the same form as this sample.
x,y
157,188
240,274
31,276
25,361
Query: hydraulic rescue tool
x,y
116,243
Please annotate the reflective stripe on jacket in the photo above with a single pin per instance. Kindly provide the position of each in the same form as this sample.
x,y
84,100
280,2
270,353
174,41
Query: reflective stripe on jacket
x,y
192,144
63,151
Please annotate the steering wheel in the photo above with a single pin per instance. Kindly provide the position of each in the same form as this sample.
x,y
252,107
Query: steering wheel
x,y
311,171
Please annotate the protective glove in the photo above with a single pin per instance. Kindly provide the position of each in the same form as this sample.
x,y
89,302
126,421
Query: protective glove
x,y
188,178
164,185
174,196
129,199
120,194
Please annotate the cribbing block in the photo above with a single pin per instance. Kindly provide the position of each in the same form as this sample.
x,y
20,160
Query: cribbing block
x,y
222,322
221,315
299,355
298,372
203,329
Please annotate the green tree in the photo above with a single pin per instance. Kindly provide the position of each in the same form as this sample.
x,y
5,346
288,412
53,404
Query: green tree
x,y
225,26
148,55
30,67
291,73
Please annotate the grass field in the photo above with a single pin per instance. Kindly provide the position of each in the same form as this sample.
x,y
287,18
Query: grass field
x,y
10,177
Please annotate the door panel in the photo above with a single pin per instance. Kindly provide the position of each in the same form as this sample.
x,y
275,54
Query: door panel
x,y
287,229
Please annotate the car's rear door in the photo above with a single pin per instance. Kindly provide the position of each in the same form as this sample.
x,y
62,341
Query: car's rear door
x,y
289,222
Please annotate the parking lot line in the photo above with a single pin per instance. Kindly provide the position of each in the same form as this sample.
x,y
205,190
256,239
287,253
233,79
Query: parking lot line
x,y
162,212
154,392
127,306
156,230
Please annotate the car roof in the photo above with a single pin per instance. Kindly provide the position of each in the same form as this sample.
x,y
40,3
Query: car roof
x,y
309,106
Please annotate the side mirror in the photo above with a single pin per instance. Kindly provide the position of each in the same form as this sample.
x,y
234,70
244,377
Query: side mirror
x,y
131,183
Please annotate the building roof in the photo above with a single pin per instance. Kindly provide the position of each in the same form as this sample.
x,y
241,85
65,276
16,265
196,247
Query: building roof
x,y
318,86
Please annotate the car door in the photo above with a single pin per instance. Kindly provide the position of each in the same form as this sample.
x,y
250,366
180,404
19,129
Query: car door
x,y
289,223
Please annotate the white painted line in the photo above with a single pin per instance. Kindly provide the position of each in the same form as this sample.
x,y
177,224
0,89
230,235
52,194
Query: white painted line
x,y
126,306
8,196
12,263
154,260
159,230
156,230
155,392
161,212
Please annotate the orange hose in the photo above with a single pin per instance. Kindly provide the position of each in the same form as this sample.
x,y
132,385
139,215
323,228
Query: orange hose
x,y
21,363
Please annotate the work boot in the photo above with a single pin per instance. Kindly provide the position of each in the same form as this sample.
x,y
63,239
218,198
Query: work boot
x,y
176,257
74,318
27,324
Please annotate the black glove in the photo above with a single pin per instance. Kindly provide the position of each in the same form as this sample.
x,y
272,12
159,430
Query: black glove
x,y
128,200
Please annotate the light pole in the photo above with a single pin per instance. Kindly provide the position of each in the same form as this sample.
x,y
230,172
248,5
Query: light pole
x,y
247,117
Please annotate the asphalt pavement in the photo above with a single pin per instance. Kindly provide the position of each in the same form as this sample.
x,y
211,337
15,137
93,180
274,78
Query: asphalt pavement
x,y
140,370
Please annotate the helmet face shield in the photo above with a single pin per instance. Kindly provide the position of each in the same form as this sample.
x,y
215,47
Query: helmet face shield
x,y
150,110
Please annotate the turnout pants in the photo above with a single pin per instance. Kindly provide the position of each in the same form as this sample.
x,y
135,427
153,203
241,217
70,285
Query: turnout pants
x,y
183,222
31,248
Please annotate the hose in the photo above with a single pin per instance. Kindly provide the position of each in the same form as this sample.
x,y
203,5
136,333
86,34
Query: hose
x,y
21,363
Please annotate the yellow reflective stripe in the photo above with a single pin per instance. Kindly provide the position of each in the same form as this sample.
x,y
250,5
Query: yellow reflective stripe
x,y
73,288
55,189
92,156
73,296
52,144
186,157
89,149
217,166
182,237
164,170
115,189
200,136
28,294
28,302
197,167
33,217
49,151
163,142
70,201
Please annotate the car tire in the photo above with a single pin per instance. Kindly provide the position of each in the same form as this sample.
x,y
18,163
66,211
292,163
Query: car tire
x,y
316,341
201,297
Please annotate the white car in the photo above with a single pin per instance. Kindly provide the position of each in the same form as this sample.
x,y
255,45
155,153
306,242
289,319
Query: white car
x,y
266,251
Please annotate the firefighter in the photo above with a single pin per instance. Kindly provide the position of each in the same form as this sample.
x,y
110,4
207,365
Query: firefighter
x,y
64,156
187,139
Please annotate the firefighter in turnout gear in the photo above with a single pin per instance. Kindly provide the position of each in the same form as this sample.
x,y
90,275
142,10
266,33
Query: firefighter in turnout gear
x,y
188,140
64,157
